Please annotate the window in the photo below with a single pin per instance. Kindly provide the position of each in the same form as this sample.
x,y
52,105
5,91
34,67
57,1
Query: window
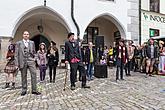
x,y
154,32
90,35
154,5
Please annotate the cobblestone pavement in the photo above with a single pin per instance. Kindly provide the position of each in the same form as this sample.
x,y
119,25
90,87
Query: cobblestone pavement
x,y
134,93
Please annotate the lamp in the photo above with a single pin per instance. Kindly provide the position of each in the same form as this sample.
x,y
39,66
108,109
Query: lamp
x,y
44,2
40,27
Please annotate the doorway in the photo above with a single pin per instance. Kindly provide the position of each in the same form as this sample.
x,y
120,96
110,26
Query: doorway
x,y
39,39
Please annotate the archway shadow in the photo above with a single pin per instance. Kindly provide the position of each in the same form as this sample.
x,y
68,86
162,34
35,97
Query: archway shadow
x,y
39,39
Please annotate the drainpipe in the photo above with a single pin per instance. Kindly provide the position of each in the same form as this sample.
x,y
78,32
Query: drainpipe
x,y
74,21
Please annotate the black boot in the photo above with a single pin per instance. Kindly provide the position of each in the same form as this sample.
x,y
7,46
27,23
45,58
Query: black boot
x,y
6,86
146,74
13,85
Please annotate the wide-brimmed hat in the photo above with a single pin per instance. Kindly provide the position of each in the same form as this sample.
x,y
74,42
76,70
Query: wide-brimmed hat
x,y
42,44
53,42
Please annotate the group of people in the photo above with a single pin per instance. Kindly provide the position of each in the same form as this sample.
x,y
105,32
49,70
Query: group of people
x,y
147,58
23,56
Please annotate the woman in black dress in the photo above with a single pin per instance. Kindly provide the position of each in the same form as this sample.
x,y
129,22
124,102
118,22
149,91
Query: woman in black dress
x,y
53,58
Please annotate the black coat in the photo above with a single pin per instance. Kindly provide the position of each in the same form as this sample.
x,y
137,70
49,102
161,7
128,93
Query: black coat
x,y
87,55
72,50
53,59
148,51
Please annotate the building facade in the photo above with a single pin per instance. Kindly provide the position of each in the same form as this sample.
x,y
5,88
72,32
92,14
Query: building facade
x,y
152,19
48,20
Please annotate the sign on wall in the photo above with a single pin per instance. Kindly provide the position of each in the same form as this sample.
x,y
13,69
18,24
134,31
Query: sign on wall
x,y
155,18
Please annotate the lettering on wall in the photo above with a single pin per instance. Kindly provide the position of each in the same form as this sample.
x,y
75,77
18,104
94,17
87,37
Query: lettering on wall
x,y
155,18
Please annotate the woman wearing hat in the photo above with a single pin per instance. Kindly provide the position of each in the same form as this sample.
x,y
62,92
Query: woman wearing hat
x,y
53,58
42,60
10,67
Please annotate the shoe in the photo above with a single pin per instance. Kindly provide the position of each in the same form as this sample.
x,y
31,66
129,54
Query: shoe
x,y
92,78
53,81
36,93
80,79
129,75
73,88
151,75
41,81
23,93
13,85
6,86
85,86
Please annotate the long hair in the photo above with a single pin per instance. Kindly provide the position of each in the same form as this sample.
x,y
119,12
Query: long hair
x,y
44,47
54,48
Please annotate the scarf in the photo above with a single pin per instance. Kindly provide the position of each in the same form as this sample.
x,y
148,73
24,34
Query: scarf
x,y
122,54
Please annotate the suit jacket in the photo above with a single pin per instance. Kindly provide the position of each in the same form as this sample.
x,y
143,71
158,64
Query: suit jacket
x,y
72,51
20,55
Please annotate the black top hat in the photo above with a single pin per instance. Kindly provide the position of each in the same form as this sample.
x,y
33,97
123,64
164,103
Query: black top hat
x,y
53,42
70,34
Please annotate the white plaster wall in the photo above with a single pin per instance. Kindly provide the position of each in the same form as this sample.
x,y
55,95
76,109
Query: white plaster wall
x,y
145,4
10,14
12,10
162,6
86,13
147,23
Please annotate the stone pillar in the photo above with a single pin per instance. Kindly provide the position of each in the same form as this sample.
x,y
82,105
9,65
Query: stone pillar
x,y
133,27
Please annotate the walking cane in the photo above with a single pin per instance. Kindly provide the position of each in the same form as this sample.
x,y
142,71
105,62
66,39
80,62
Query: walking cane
x,y
66,75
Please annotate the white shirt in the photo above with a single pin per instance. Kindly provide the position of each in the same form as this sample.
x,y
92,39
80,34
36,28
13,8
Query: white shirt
x,y
26,42
152,51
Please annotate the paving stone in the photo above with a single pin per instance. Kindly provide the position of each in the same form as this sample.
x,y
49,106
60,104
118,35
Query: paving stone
x,y
134,93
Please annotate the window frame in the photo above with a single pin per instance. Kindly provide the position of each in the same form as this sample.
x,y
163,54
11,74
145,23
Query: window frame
x,y
153,7
155,30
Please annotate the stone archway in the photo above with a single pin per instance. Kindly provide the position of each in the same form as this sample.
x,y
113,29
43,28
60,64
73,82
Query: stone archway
x,y
54,25
105,25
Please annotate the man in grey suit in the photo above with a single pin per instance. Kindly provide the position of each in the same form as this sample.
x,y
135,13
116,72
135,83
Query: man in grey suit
x,y
25,59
